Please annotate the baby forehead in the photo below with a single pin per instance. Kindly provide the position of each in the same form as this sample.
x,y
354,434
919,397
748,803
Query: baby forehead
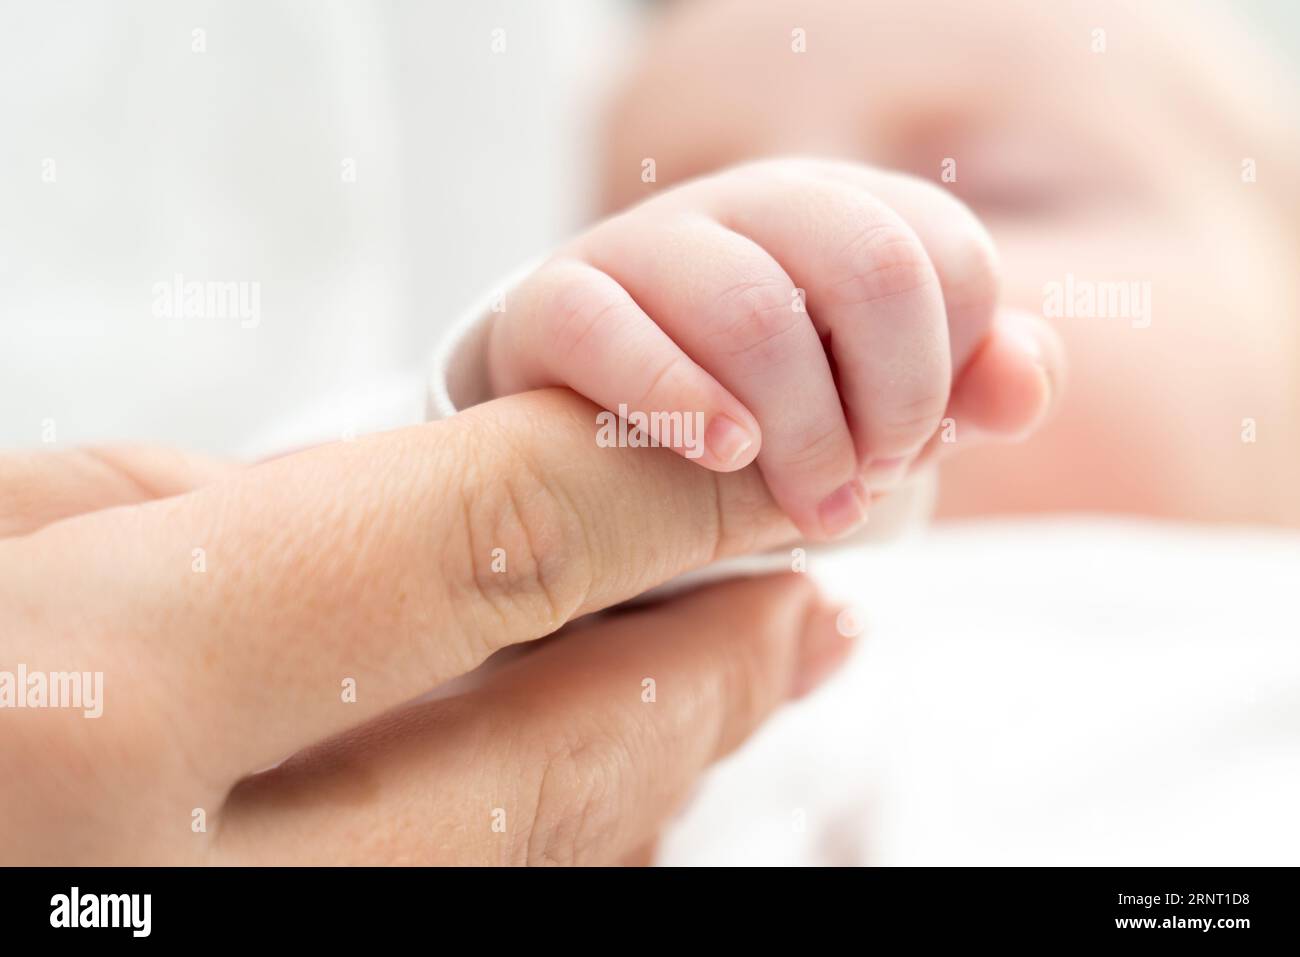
x,y
900,67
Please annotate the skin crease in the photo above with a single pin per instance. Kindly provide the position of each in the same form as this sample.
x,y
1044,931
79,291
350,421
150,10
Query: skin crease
x,y
1113,166
355,558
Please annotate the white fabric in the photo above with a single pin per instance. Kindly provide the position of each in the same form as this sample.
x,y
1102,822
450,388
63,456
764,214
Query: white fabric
x,y
1051,692
458,376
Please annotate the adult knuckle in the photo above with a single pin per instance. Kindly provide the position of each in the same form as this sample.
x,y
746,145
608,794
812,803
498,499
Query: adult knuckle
x,y
753,676
532,563
575,782
116,461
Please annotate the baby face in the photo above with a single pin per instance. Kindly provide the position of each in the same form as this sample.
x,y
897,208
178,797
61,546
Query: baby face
x,y
1129,164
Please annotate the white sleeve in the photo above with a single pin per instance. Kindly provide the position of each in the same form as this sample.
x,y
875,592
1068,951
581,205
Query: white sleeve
x,y
459,379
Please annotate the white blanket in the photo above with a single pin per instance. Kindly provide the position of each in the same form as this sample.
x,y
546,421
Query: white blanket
x,y
1086,691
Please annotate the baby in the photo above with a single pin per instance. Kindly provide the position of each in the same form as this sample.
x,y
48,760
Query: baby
x,y
1104,146
841,324
822,319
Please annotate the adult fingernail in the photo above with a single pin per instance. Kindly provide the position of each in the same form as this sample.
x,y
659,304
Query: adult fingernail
x,y
727,439
844,509
825,645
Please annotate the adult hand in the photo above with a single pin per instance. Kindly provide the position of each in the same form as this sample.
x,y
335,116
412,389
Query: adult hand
x,y
242,615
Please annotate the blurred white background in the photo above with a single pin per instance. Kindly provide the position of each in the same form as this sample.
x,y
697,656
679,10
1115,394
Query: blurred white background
x,y
226,165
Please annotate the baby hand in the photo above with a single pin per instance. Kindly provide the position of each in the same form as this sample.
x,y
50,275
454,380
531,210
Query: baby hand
x,y
820,317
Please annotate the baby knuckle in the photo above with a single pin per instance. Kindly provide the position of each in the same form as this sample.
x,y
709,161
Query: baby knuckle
x,y
664,384
818,446
880,261
910,423
757,318
576,306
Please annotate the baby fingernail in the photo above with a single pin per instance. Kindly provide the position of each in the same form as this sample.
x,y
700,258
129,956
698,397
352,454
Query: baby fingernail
x,y
727,439
844,509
